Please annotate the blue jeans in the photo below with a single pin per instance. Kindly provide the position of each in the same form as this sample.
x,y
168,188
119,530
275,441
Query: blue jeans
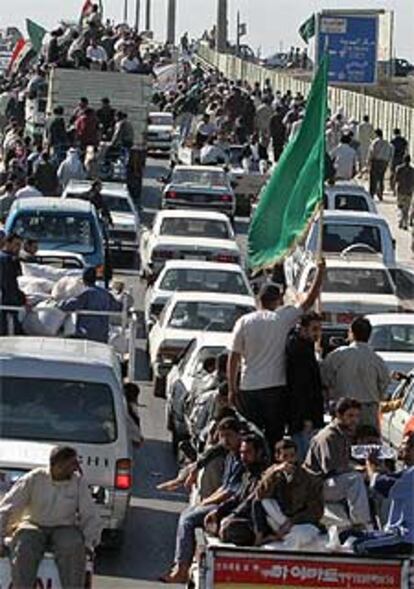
x,y
190,519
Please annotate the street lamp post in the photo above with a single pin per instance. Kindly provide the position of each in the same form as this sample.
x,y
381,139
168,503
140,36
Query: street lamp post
x,y
148,16
221,35
171,21
125,11
137,14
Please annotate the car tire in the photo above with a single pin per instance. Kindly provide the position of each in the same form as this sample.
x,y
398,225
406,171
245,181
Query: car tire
x,y
159,387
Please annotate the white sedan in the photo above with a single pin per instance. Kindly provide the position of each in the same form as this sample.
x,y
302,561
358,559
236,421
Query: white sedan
x,y
188,235
186,316
189,275
348,196
351,287
124,233
160,131
393,338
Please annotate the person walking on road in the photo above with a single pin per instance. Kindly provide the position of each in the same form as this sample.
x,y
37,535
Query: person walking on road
x,y
71,168
357,371
400,146
52,507
365,135
259,347
379,156
345,159
404,186
278,132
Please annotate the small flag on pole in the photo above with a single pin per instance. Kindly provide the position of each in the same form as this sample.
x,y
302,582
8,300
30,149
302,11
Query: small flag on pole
x,y
36,34
307,29
289,201
17,51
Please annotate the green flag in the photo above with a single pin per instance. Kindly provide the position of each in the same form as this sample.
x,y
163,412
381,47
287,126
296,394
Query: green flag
x,y
289,201
36,34
307,29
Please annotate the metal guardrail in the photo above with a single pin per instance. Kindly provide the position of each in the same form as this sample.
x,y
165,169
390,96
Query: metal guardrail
x,y
129,324
383,114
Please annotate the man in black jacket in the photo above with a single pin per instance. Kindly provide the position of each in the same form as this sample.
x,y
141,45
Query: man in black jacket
x,y
10,294
303,376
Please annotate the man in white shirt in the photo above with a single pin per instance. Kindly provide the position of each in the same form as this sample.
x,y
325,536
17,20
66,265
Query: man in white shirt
x,y
29,190
96,53
212,154
52,507
345,159
259,348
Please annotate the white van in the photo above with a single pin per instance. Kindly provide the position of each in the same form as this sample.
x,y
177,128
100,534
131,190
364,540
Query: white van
x,y
67,391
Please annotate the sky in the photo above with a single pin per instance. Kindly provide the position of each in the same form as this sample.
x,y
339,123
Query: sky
x,y
272,24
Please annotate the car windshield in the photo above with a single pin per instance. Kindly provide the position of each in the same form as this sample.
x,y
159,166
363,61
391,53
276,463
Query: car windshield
x,y
56,410
206,179
184,227
337,237
204,280
392,338
206,316
57,230
357,280
117,204
160,119
351,202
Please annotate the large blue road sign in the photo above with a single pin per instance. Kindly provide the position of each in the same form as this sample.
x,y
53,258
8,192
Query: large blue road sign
x,y
352,42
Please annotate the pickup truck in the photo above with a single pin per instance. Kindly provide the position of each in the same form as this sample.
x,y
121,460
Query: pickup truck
x,y
225,566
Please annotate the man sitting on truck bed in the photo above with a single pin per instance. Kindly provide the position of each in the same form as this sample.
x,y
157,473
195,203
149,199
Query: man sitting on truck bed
x,y
289,501
53,509
329,456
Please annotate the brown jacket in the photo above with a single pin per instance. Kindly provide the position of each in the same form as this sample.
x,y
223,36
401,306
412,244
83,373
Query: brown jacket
x,y
329,451
300,499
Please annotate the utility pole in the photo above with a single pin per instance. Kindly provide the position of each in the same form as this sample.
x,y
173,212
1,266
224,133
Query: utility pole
x,y
171,20
125,11
238,34
148,16
137,14
221,39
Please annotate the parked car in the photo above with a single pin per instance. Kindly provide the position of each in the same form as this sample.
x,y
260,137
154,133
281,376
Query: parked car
x,y
187,377
199,187
188,235
193,275
393,338
59,391
395,423
70,225
348,196
160,132
344,232
352,286
185,316
123,235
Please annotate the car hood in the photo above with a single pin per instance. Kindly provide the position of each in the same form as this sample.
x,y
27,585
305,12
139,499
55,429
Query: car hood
x,y
359,303
201,242
160,129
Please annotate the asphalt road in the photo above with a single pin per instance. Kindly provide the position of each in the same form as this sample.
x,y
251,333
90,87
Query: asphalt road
x,y
149,540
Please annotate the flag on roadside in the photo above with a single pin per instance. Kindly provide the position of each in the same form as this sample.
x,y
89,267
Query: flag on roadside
x,y
289,201
307,29
18,49
36,34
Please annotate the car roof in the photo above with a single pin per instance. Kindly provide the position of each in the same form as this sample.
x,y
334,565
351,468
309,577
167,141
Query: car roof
x,y
209,339
208,297
59,254
214,169
358,217
57,350
391,319
191,214
45,203
202,265
112,188
346,187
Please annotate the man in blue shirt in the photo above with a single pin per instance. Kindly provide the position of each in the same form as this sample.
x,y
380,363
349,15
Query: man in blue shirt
x,y
94,298
193,517
398,534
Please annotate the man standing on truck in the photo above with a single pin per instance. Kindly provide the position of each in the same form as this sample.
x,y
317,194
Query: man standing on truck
x,y
259,340
53,508
93,298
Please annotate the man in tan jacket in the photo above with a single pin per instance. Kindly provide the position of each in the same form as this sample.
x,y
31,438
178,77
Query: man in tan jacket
x,y
52,509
